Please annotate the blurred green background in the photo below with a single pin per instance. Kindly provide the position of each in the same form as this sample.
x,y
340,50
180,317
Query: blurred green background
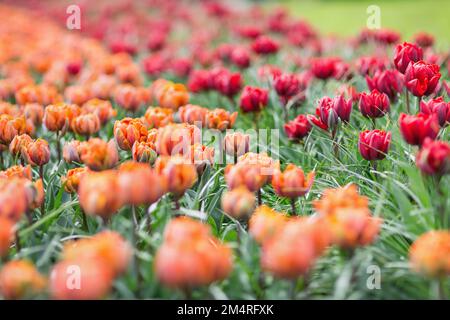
x,y
347,17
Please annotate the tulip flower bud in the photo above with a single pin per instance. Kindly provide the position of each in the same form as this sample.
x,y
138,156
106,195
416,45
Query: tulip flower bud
x,y
37,153
18,144
17,172
169,95
292,183
287,86
156,117
326,116
77,94
129,97
96,278
220,119
421,78
20,277
140,184
374,144
438,107
248,175
11,127
389,82
253,99
98,154
34,112
264,45
238,203
35,194
424,40
433,157
144,152
86,124
6,235
236,143
127,131
71,151
13,198
200,156
374,104
102,108
192,114
228,83
55,117
180,173
415,129
344,197
176,139
100,193
430,254
405,54
265,223
298,128
240,57
72,179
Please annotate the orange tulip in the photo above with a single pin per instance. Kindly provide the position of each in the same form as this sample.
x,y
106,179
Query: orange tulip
x,y
430,253
265,222
19,143
71,151
140,184
86,124
102,108
220,119
236,143
193,114
130,97
17,172
344,197
180,174
200,156
127,131
11,127
99,193
20,278
292,183
55,117
72,179
98,154
245,174
170,95
144,152
238,203
156,117
13,198
77,94
34,112
37,153
177,139
7,233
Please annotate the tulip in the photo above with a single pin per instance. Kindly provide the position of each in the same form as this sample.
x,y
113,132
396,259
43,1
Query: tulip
x,y
95,280
17,172
240,57
340,198
102,108
129,97
180,173
176,139
292,183
298,128
286,86
19,143
127,131
421,78
326,116
140,184
71,151
220,119
193,114
199,81
19,278
438,107
433,157
100,194
98,154
264,45
156,117
368,65
7,231
13,198
181,67
265,223
424,40
374,144
228,83
34,112
200,156
374,105
405,54
77,94
244,174
37,153
430,254
11,127
72,179
170,95
55,117
86,124
253,99
144,152
236,144
389,82
415,129
327,67
238,203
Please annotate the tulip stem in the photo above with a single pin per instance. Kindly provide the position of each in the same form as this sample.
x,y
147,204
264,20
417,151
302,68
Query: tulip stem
x,y
294,209
259,197
85,223
18,246
58,146
335,144
135,242
374,123
41,175
440,288
408,109
441,202
1,160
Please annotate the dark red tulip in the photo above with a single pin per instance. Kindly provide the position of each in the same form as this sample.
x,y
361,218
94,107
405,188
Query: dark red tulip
x,y
199,81
343,107
374,144
253,99
438,107
374,104
154,65
298,128
368,65
433,157
386,36
389,82
228,83
240,57
326,116
156,41
324,68
424,39
415,128
421,78
405,54
249,32
265,45
286,85
181,67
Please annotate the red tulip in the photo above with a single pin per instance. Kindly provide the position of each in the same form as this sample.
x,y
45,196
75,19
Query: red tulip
x,y
374,144
287,86
415,129
240,57
228,83
326,116
405,54
298,128
421,78
253,99
389,82
199,81
434,157
424,39
374,104
265,45
438,107
368,65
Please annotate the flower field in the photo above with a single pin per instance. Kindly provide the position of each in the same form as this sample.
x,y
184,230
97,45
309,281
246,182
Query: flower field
x,y
168,149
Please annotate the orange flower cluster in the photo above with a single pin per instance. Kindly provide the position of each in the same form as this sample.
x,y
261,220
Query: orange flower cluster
x,y
190,256
95,153
219,119
95,261
292,183
430,253
168,94
19,279
180,174
348,217
238,203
